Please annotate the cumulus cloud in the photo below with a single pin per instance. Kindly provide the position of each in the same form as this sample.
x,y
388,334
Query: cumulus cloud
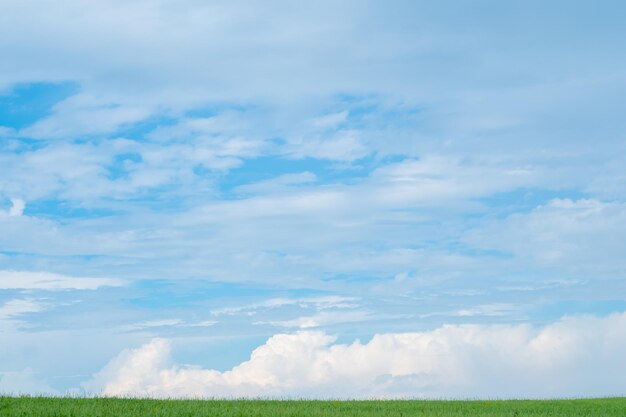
x,y
575,356
29,280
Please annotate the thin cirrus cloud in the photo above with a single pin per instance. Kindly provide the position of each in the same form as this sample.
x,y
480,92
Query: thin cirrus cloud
x,y
15,308
575,356
29,280
170,323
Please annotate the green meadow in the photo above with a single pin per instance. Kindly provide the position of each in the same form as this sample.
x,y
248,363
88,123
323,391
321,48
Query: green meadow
x,y
100,407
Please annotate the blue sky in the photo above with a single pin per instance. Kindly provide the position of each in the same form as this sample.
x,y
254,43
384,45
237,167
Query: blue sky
x,y
206,191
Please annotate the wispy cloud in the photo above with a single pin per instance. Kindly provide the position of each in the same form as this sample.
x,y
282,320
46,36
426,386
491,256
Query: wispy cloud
x,y
324,318
319,303
14,308
164,323
31,280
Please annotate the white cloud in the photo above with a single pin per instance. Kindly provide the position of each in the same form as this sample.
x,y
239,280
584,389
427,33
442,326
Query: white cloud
x,y
28,280
319,303
169,323
93,171
324,318
342,146
368,226
576,356
439,177
157,323
11,312
330,120
17,207
204,323
84,115
160,51
281,183
495,309
583,237
24,382
17,307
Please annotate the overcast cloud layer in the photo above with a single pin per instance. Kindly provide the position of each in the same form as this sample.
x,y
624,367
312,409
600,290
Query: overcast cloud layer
x,y
196,178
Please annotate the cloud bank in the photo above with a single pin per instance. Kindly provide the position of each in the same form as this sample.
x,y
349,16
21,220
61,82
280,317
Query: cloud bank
x,y
575,356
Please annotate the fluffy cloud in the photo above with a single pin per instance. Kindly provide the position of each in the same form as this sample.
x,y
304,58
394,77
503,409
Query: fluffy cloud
x,y
576,356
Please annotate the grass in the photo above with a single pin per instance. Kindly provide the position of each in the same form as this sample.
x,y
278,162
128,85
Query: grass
x,y
101,407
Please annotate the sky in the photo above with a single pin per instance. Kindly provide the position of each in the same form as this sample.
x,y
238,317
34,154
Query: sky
x,y
355,199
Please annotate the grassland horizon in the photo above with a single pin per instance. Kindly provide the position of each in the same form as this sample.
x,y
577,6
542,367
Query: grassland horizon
x,y
13,406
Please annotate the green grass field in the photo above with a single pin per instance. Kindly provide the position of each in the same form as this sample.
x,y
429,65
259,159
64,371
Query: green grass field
x,y
96,407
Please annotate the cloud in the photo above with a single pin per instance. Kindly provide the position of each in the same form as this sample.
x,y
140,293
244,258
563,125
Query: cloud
x,y
169,323
344,146
575,356
330,120
83,115
495,309
583,237
100,170
24,382
278,184
319,303
17,307
324,318
29,280
17,207
157,323
12,311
